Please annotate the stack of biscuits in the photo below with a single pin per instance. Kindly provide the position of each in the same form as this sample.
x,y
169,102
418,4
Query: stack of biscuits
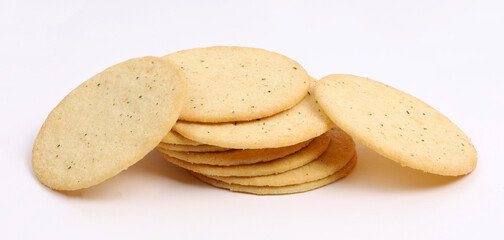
x,y
238,118
250,124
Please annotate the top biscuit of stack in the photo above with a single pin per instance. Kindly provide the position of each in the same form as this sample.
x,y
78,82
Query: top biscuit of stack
x,y
302,122
227,84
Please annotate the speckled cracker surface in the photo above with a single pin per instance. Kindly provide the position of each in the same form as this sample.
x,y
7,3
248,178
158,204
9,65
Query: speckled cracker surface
x,y
108,123
165,147
396,125
338,154
270,190
295,160
238,84
304,121
235,156
175,138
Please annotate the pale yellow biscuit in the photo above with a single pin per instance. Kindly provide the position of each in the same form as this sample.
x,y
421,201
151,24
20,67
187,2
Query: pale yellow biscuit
x,y
338,154
175,138
269,190
396,125
295,160
108,123
235,157
167,148
304,121
238,84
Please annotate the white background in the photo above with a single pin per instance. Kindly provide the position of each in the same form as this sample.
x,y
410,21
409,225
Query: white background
x,y
448,53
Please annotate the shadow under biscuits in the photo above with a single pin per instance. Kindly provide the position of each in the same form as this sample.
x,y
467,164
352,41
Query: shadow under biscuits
x,y
151,171
378,173
372,172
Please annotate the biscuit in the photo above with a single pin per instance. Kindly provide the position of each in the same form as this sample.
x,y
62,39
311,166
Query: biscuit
x,y
174,138
268,190
227,84
235,156
338,154
304,121
108,123
166,148
396,125
295,160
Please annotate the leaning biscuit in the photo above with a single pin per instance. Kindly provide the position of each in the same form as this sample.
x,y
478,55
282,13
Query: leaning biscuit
x,y
238,84
108,123
396,125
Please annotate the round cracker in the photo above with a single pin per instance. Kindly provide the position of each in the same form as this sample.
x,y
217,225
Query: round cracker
x,y
304,121
108,123
338,154
175,138
295,160
235,157
238,84
167,148
268,190
396,125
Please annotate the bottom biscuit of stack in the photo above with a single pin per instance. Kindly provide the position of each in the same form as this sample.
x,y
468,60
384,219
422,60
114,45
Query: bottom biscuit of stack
x,y
278,190
298,168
